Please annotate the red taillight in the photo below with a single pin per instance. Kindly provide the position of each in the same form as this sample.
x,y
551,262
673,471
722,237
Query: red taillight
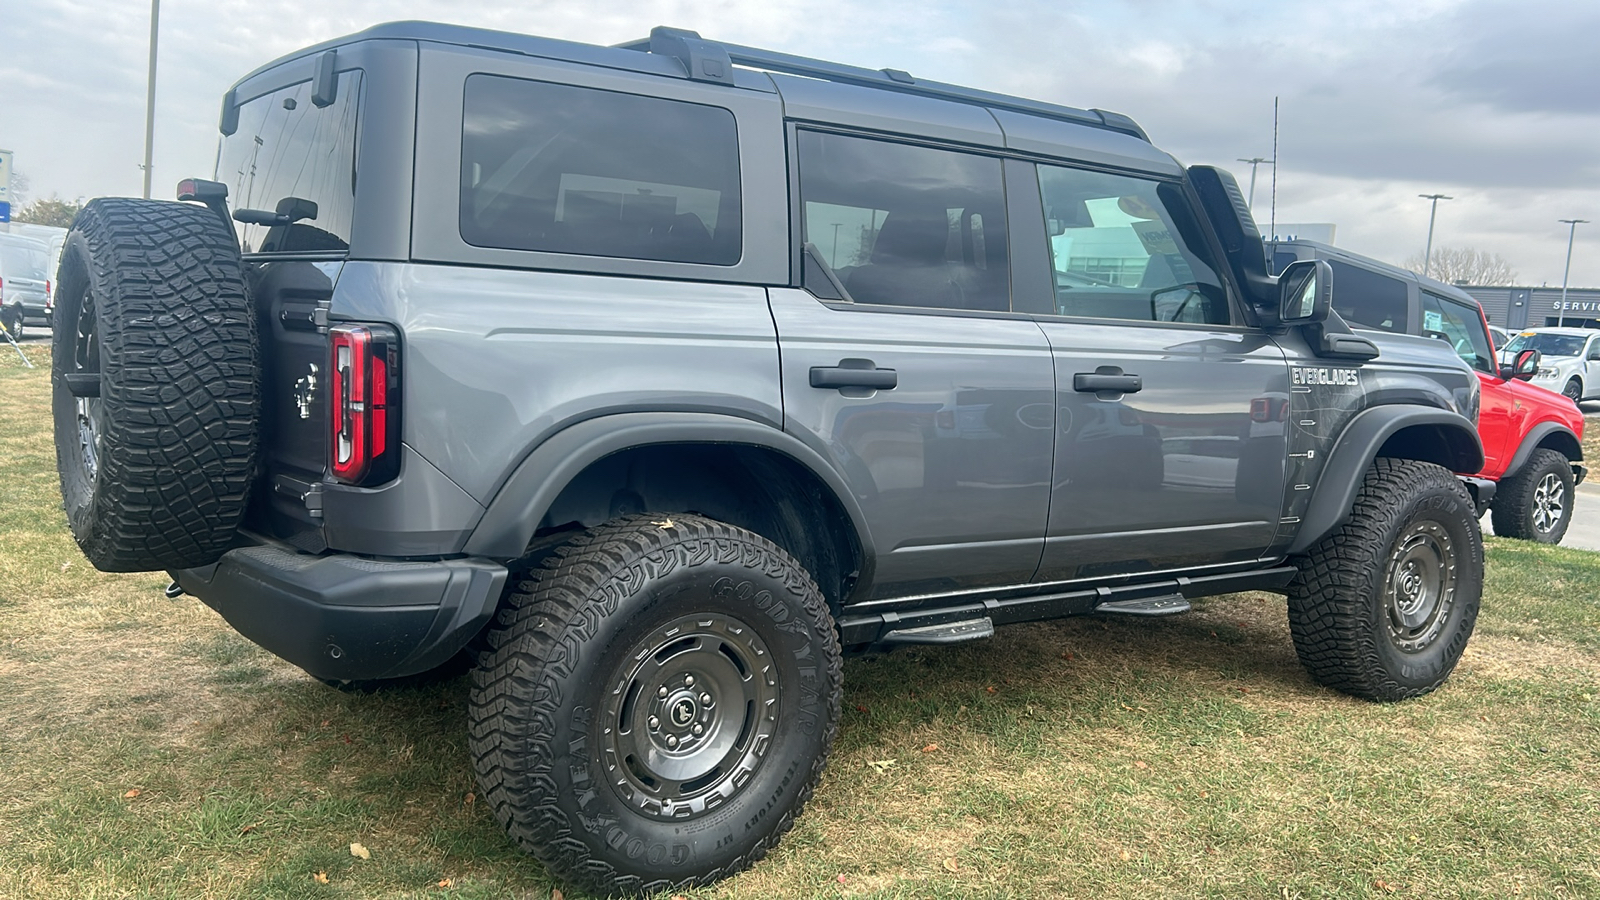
x,y
363,447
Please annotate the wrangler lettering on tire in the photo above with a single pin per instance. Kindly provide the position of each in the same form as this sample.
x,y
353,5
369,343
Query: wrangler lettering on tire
x,y
657,703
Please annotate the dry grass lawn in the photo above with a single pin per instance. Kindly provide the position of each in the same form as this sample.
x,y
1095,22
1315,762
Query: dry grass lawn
x,y
147,751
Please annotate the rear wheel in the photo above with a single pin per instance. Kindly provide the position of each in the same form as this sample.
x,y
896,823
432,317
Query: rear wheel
x,y
1536,503
1382,608
657,704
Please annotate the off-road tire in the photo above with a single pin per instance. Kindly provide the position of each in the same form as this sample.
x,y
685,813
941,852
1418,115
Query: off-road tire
x,y
152,307
1573,390
1347,595
567,647
1523,503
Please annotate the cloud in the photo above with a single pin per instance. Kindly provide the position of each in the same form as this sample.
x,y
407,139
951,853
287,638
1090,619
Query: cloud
x,y
1489,100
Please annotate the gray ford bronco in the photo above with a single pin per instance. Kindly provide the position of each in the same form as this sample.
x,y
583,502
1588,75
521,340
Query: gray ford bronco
x,y
648,380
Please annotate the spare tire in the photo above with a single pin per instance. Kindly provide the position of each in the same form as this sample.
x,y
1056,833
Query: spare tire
x,y
156,390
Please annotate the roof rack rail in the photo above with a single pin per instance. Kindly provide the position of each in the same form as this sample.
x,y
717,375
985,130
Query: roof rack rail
x,y
701,58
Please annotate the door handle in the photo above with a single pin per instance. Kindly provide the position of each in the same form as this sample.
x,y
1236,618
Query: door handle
x,y
854,373
1094,382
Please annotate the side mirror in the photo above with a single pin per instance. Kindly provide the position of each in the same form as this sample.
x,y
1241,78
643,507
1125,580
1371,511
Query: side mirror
x,y
1525,367
1305,292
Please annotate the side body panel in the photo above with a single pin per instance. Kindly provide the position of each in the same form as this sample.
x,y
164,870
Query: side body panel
x,y
951,467
1502,421
1188,471
498,360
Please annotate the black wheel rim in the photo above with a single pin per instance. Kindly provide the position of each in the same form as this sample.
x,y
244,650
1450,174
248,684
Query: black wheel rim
x,y
690,716
1573,390
1549,503
86,360
1420,586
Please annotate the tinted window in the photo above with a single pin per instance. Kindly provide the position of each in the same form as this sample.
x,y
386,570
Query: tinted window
x,y
1128,248
1460,325
577,170
291,156
1363,297
906,226
1281,260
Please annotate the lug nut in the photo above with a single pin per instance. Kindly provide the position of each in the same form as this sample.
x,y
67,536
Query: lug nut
x,y
705,699
654,723
662,693
688,681
697,729
672,742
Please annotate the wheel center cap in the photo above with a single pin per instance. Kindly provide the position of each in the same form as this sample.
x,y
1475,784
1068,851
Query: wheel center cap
x,y
683,712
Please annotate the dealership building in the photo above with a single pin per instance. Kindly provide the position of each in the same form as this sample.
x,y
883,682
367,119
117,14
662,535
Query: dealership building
x,y
1514,308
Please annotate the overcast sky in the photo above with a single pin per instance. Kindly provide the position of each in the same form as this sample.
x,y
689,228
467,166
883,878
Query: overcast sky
x,y
1496,102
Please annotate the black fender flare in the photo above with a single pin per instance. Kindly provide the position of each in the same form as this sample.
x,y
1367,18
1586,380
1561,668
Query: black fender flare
x,y
1534,438
513,515
1354,452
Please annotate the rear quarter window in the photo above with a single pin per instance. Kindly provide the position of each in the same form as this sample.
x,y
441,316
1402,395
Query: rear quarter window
x,y
1364,297
564,169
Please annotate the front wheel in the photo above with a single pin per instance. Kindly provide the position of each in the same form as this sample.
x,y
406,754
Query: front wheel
x,y
1573,390
1382,608
1536,503
656,704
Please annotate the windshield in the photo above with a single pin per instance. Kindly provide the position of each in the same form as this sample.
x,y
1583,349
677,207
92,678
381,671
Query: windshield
x,y
19,261
1548,344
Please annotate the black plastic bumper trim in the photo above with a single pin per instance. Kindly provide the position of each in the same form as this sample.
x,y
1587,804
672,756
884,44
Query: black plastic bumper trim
x,y
348,618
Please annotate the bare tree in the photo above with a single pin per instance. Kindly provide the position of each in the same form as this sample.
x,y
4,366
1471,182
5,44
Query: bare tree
x,y
1465,265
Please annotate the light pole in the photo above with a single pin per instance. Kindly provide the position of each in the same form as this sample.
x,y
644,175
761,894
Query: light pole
x,y
1572,230
150,98
1254,161
1428,253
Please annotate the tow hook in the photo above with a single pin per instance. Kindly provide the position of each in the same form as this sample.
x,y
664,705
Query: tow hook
x,y
172,591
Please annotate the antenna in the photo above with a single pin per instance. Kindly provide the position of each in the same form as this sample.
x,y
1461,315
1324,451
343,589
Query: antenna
x,y
1273,228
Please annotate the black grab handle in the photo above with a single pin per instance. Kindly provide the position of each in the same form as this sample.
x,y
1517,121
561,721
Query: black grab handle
x,y
854,373
1093,382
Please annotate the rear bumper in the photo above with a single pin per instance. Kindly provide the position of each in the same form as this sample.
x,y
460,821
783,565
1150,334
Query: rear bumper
x,y
347,618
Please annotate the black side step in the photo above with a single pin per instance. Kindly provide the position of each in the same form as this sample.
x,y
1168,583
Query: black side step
x,y
972,615
947,633
1170,605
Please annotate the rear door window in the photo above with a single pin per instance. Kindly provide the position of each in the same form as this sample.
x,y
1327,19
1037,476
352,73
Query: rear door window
x,y
1364,297
291,156
902,225
563,169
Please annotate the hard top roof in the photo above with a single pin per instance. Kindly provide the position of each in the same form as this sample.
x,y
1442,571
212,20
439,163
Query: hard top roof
x,y
672,52
1378,265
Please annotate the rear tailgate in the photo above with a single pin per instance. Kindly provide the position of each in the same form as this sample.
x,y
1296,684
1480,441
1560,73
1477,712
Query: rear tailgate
x,y
292,299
